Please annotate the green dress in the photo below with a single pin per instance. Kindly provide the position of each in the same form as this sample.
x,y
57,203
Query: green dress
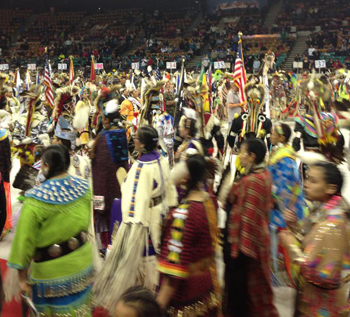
x,y
54,212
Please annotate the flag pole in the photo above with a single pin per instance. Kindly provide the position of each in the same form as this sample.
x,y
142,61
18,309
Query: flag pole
x,y
71,71
179,96
92,71
201,99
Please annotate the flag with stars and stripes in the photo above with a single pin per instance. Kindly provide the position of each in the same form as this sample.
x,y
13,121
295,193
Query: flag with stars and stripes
x,y
239,75
48,82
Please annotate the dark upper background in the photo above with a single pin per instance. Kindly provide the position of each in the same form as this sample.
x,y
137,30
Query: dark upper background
x,y
93,5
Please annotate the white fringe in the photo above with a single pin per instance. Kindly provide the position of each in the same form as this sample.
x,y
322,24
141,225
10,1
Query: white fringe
x,y
11,285
226,185
96,258
121,269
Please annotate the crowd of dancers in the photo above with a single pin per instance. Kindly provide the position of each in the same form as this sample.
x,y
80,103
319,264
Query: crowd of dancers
x,y
134,184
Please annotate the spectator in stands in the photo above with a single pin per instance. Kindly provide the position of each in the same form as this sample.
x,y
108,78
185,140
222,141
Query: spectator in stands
x,y
310,51
283,36
306,63
190,52
256,65
24,46
330,63
214,54
144,62
343,49
337,64
347,62
312,64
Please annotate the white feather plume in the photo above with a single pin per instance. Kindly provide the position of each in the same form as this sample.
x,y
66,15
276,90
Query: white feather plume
x,y
111,106
26,141
81,117
45,139
310,158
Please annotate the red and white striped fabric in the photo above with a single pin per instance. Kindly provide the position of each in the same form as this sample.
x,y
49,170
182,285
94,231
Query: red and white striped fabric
x,y
48,84
239,75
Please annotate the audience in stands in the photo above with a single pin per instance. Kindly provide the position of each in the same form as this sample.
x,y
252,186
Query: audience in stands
x,y
308,15
154,38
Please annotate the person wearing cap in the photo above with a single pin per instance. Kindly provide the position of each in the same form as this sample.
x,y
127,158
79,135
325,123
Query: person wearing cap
x,y
233,104
65,135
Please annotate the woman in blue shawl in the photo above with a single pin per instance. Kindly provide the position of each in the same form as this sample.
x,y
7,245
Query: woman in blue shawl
x,y
288,208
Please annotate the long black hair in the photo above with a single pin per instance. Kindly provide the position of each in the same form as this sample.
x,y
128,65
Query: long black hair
x,y
148,136
287,131
332,175
257,147
114,118
190,124
142,300
196,167
57,157
65,142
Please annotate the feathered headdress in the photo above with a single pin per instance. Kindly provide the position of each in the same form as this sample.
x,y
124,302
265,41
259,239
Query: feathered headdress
x,y
105,95
255,100
152,91
318,93
63,96
3,90
33,102
255,94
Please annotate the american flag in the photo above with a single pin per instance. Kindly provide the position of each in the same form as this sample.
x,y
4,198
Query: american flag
x,y
239,75
48,83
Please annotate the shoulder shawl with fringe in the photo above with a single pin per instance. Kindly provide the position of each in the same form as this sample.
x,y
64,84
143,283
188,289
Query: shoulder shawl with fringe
x,y
307,122
129,262
324,260
53,213
281,153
